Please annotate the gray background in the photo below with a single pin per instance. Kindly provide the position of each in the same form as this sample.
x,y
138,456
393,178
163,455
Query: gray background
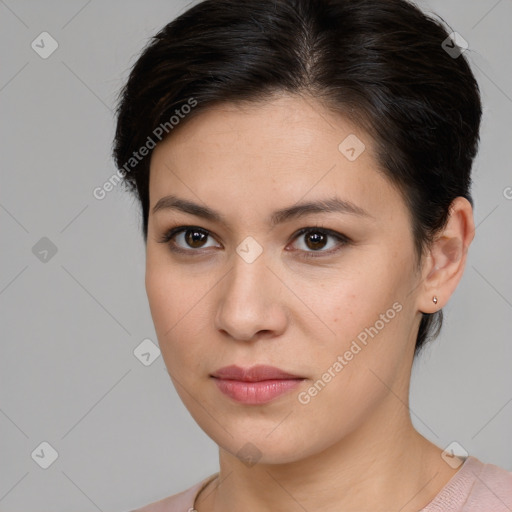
x,y
70,324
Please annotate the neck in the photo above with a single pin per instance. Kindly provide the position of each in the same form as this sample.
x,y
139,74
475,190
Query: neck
x,y
380,466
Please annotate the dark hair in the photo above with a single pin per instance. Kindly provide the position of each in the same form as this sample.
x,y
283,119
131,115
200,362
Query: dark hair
x,y
383,64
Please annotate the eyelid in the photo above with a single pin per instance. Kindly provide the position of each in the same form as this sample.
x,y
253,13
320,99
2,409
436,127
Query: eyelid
x,y
342,239
169,234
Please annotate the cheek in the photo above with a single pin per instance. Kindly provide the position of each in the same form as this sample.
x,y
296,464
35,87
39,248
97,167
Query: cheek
x,y
355,369
171,293
364,310
168,307
177,304
348,300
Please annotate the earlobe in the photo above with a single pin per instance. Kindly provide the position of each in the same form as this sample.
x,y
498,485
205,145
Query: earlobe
x,y
447,257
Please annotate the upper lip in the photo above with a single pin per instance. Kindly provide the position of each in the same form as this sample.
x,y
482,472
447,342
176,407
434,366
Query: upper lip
x,y
253,374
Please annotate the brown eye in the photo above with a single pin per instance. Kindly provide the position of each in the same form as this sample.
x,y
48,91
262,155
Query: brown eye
x,y
195,238
187,239
315,240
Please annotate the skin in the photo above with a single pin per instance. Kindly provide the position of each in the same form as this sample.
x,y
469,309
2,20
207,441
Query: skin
x,y
353,446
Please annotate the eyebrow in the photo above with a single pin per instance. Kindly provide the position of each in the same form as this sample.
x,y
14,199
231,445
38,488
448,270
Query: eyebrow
x,y
330,205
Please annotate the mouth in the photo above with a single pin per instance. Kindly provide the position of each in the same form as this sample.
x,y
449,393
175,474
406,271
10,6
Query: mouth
x,y
255,385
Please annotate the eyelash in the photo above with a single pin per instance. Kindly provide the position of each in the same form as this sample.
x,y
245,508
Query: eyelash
x,y
344,240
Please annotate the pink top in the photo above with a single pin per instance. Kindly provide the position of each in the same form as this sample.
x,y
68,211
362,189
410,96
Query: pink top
x,y
476,487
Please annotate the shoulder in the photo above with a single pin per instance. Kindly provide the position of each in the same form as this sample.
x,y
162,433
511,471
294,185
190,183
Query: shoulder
x,y
182,501
492,487
475,487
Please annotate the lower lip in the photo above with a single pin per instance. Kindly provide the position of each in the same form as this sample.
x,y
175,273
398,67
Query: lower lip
x,y
256,392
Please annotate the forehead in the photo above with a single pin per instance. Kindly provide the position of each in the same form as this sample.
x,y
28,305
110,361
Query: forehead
x,y
269,154
294,125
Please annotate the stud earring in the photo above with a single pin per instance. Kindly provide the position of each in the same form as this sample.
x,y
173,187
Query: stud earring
x,y
434,299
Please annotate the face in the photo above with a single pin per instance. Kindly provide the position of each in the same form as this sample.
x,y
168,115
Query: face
x,y
323,294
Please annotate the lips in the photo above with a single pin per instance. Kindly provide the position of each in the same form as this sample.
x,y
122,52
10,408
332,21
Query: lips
x,y
253,374
256,385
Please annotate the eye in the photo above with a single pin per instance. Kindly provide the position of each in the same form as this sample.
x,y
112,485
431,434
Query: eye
x,y
185,239
181,237
315,239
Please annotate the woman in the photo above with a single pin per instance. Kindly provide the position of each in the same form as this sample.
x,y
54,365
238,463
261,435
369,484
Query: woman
x,y
303,168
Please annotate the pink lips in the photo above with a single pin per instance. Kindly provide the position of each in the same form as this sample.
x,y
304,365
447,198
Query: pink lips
x,y
255,385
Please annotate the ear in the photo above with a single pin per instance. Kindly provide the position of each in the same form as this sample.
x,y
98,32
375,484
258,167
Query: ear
x,y
444,264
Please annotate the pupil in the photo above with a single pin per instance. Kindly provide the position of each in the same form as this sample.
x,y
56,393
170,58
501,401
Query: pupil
x,y
318,240
194,238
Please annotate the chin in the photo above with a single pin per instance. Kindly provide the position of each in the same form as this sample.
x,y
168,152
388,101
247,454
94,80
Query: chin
x,y
254,445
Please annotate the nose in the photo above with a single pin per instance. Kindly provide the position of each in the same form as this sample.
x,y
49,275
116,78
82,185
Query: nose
x,y
251,302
